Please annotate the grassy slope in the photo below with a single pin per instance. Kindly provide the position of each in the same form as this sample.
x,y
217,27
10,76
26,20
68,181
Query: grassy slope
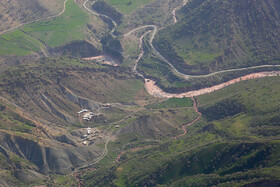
x,y
127,6
172,103
67,27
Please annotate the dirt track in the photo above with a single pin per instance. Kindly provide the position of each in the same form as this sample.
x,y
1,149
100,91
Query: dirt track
x,y
196,119
99,15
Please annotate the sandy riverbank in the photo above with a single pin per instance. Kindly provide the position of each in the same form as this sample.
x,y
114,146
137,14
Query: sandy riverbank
x,y
157,92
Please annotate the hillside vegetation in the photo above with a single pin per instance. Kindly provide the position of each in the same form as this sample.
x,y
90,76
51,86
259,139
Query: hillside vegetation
x,y
127,6
67,120
216,35
237,147
14,12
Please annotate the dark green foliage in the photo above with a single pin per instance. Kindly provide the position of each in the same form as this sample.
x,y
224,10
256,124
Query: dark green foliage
x,y
103,8
112,47
2,107
80,49
102,177
222,109
266,119
169,52
172,103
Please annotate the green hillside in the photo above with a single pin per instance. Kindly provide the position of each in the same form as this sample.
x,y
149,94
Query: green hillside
x,y
216,35
235,148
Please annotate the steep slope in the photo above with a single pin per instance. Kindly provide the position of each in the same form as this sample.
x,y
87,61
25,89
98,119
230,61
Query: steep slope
x,y
216,35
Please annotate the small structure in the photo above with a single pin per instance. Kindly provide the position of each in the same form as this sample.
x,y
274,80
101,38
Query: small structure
x,y
88,130
106,105
88,116
117,126
84,136
82,111
85,142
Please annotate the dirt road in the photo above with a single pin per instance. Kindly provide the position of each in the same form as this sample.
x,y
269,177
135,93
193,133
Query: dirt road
x,y
177,8
99,15
196,119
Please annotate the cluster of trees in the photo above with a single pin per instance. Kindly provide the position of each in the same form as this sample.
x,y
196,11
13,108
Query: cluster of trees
x,y
222,109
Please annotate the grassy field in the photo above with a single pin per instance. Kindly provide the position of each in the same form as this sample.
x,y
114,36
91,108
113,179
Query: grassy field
x,y
66,28
172,103
8,48
127,6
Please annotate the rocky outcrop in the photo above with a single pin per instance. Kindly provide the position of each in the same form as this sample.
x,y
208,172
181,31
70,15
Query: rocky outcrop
x,y
28,175
82,102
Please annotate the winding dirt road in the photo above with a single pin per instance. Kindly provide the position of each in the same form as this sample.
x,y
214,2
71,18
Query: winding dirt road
x,y
41,19
141,53
177,8
199,115
99,15
98,159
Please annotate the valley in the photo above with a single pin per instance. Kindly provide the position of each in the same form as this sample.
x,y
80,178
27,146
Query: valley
x,y
95,96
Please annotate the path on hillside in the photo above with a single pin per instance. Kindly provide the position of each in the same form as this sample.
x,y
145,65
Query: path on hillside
x,y
40,19
100,15
196,119
177,8
97,159
141,53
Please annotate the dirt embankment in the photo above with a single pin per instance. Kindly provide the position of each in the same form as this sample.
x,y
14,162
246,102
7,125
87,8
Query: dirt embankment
x,y
103,59
154,90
